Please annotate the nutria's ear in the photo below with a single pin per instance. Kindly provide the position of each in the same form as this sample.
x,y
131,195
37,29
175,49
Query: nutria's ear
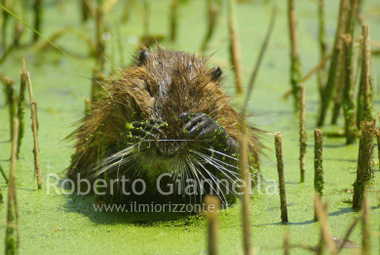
x,y
143,57
216,73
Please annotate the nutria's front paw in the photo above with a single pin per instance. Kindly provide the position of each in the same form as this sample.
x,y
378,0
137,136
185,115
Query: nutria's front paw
x,y
140,130
201,127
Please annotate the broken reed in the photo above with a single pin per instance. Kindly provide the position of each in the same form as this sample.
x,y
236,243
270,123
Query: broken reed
x,y
364,174
212,205
36,150
213,10
332,73
321,212
318,165
21,108
235,50
322,45
37,6
173,20
244,172
365,97
350,129
281,176
295,65
303,136
11,232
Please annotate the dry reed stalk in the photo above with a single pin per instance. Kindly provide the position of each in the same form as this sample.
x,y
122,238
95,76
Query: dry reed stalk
x,y
86,12
213,205
4,27
366,241
321,212
348,233
366,76
173,20
235,49
339,87
322,44
11,232
295,66
244,172
364,172
37,19
316,69
303,135
127,10
281,177
36,150
332,74
213,10
349,80
100,46
146,5
350,129
286,243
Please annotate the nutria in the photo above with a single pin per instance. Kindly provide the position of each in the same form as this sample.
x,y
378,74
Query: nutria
x,y
166,118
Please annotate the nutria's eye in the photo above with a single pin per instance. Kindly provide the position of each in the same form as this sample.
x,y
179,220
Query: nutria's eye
x,y
216,73
143,57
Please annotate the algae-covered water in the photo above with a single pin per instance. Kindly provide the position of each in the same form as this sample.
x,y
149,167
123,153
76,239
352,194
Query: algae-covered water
x,y
53,223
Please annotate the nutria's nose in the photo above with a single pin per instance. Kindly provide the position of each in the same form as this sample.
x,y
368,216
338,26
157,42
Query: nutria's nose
x,y
168,148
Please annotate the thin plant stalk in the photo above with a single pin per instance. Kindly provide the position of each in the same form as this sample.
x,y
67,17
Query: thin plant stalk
x,y
281,177
11,232
21,108
349,80
303,135
322,217
322,44
213,205
173,20
100,47
213,10
37,18
4,175
366,76
366,241
36,150
295,65
318,164
332,73
244,172
235,48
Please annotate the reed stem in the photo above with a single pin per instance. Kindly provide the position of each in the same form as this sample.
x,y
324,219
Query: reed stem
x,y
281,177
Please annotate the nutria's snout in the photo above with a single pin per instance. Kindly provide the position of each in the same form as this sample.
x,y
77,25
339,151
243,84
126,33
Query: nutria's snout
x,y
169,149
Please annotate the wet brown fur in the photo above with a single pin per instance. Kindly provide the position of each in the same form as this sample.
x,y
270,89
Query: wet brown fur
x,y
135,96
